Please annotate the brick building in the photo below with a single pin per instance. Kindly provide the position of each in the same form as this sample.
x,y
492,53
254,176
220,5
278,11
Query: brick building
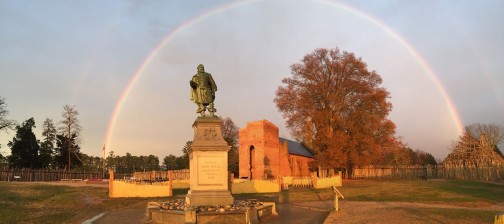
x,y
264,155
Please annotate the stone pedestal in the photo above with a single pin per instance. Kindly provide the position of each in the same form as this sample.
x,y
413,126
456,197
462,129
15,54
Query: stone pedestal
x,y
208,162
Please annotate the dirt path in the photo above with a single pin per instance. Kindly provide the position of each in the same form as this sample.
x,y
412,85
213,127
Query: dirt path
x,y
399,212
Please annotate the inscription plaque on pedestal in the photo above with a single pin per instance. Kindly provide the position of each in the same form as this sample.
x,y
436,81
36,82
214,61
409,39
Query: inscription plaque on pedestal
x,y
210,168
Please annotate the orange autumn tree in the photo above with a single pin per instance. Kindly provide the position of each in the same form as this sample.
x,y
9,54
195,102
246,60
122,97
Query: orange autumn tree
x,y
336,106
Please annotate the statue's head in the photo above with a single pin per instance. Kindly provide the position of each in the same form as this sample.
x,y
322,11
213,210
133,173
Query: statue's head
x,y
201,68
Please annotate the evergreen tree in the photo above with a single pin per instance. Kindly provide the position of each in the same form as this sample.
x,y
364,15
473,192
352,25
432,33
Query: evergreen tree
x,y
170,162
47,145
186,148
110,161
4,162
64,146
152,162
183,161
91,163
25,147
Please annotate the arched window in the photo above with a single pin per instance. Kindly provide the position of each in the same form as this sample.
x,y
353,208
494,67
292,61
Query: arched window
x,y
251,160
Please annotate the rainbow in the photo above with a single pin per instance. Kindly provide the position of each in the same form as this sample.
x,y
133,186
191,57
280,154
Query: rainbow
x,y
195,20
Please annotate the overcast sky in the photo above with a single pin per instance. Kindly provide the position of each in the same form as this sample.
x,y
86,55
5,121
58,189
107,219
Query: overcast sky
x,y
86,53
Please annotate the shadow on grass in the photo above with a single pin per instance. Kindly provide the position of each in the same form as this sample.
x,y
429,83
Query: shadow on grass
x,y
477,190
433,215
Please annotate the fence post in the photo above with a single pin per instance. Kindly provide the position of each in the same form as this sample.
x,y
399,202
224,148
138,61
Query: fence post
x,y
170,179
314,180
111,183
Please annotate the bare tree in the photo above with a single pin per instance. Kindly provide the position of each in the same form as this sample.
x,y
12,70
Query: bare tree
x,y
493,132
5,124
230,134
70,127
230,131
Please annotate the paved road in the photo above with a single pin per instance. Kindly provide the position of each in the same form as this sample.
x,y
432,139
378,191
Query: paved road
x,y
124,216
294,214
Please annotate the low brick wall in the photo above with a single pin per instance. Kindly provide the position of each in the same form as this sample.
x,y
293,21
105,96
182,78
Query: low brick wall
x,y
178,184
121,189
287,180
254,186
327,182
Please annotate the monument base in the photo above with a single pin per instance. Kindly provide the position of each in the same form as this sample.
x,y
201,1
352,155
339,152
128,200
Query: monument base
x,y
241,212
209,197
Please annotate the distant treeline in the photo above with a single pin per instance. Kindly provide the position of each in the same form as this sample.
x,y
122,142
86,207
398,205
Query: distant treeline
x,y
58,148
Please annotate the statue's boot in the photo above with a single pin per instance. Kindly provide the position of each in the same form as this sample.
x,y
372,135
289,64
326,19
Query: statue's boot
x,y
200,109
212,110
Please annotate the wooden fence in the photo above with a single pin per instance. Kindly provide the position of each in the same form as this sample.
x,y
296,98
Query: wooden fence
x,y
491,173
29,175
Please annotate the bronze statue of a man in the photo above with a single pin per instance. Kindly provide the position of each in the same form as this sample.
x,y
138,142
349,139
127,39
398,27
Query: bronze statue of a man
x,y
203,90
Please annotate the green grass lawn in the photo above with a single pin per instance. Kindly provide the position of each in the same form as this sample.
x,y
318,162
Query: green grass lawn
x,y
451,192
41,203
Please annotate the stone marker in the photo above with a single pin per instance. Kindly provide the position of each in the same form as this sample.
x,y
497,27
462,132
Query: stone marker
x,y
208,164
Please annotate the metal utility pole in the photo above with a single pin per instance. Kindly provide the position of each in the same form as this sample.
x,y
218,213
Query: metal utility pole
x,y
103,161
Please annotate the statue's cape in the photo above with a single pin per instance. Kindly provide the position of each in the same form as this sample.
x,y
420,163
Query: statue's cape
x,y
213,86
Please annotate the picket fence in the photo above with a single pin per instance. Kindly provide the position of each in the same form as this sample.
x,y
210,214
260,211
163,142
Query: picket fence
x,y
31,175
302,182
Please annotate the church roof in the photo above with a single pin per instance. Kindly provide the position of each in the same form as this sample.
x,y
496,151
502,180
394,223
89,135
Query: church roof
x,y
296,148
